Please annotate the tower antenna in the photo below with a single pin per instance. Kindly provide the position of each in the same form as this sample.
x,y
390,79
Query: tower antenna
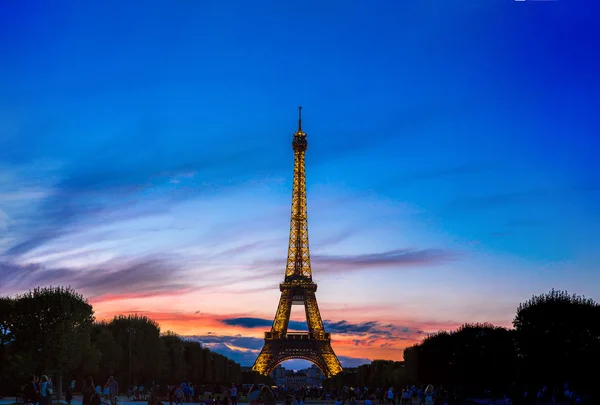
x,y
300,119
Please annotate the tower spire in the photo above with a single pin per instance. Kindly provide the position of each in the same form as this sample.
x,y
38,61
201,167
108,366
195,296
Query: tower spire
x,y
298,264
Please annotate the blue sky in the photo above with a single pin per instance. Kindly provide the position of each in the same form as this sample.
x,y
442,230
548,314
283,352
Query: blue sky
x,y
452,167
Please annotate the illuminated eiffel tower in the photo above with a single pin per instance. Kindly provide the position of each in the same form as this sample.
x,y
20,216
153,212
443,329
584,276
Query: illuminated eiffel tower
x,y
298,289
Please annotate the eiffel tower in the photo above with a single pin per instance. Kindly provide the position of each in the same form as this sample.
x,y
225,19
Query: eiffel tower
x,y
298,289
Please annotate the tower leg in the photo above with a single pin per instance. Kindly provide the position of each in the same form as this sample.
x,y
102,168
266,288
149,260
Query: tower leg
x,y
282,316
328,355
265,363
313,316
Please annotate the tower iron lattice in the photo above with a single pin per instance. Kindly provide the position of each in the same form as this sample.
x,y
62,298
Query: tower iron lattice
x,y
298,289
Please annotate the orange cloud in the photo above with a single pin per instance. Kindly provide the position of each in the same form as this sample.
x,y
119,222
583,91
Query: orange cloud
x,y
354,334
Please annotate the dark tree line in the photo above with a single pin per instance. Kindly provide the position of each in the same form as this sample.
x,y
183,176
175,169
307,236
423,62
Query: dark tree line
x,y
52,331
555,340
476,356
378,374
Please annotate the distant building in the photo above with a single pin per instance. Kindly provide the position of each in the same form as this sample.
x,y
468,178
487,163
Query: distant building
x,y
298,379
310,377
315,376
279,375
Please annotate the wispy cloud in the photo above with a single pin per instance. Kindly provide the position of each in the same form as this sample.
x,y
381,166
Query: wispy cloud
x,y
102,187
389,259
133,278
335,239
22,195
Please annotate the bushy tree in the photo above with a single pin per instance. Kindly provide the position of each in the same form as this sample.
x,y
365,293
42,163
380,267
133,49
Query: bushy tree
x,y
9,358
139,338
475,357
110,353
52,330
254,377
558,338
53,324
175,364
194,358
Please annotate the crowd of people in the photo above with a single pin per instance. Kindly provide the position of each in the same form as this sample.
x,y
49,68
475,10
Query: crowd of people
x,y
259,394
188,392
355,395
40,390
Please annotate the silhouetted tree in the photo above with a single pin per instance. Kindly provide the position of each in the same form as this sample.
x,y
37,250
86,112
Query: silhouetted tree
x,y
412,364
110,352
192,356
143,351
343,379
476,356
51,330
483,356
435,357
253,377
53,324
9,359
175,357
558,336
